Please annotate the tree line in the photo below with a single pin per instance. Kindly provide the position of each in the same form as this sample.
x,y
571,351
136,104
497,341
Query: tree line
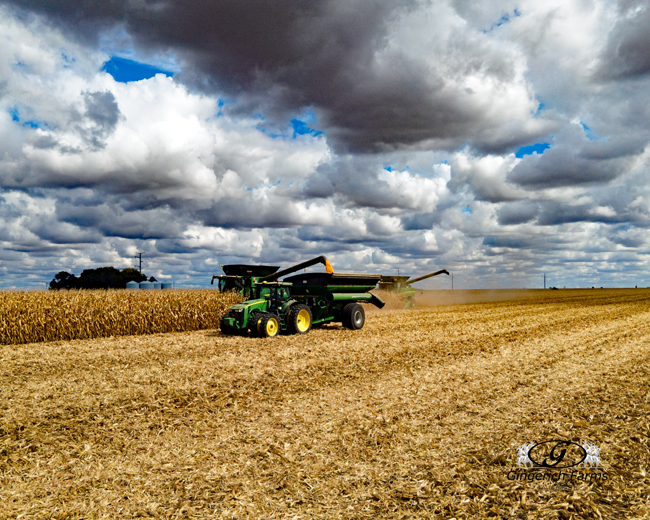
x,y
101,278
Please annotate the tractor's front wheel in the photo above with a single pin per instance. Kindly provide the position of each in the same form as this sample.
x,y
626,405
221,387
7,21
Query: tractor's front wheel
x,y
224,327
254,321
353,316
268,326
299,319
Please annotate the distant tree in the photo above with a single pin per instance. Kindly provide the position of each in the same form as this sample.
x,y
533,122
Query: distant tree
x,y
63,280
101,278
132,275
152,279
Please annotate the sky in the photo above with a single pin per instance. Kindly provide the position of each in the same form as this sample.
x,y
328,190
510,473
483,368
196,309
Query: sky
x,y
498,140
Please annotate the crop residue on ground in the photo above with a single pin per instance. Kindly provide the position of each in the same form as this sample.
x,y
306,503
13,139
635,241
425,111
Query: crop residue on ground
x,y
419,414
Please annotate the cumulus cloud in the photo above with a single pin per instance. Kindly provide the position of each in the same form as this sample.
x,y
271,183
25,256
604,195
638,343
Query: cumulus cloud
x,y
406,148
380,75
627,54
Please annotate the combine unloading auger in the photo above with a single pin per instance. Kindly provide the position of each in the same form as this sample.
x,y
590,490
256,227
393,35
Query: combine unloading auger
x,y
402,285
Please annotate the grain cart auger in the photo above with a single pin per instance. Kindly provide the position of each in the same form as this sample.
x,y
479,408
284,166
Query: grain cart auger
x,y
297,303
402,285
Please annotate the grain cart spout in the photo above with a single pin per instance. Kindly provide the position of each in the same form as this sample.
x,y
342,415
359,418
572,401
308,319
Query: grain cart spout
x,y
298,267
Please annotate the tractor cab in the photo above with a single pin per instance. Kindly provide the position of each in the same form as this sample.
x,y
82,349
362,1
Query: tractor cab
x,y
276,293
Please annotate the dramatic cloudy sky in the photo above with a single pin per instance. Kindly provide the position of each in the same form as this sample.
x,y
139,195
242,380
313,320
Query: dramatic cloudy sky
x,y
500,139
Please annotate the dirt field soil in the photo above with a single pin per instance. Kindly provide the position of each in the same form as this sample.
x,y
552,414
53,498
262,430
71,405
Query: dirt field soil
x,y
418,415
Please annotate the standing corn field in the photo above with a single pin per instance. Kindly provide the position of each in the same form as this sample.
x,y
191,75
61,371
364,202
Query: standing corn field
x,y
33,316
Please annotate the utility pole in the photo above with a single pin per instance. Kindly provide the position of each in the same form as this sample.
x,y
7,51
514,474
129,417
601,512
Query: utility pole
x,y
398,271
139,256
544,280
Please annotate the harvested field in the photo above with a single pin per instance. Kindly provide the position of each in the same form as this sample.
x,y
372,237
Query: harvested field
x,y
31,316
418,415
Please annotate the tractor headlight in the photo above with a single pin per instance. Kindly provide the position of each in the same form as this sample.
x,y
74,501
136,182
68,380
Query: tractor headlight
x,y
238,314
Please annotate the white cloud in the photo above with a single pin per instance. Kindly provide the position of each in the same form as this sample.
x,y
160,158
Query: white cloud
x,y
94,170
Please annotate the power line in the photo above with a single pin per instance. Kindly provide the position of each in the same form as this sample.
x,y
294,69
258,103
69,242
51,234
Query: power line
x,y
139,256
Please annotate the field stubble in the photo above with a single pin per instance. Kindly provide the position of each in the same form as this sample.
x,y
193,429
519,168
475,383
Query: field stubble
x,y
416,415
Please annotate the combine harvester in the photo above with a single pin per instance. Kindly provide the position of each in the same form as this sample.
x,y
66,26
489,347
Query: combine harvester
x,y
296,304
402,285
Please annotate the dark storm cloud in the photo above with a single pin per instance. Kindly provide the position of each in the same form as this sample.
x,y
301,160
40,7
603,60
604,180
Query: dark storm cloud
x,y
355,179
517,213
232,213
627,54
103,112
285,56
113,221
62,232
555,213
565,166
512,242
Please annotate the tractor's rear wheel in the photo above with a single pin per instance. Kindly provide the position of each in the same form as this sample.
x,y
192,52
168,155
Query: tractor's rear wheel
x,y
268,326
353,316
299,319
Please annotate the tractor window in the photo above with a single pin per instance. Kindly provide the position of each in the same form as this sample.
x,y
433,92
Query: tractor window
x,y
265,292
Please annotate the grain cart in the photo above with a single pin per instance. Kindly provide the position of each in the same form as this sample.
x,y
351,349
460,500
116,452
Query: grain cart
x,y
296,304
402,284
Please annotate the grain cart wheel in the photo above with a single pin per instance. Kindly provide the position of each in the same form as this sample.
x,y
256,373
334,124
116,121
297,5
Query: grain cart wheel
x,y
353,316
299,319
225,328
268,326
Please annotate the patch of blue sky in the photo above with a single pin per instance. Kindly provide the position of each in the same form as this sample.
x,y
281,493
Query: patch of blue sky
x,y
125,71
15,117
466,209
68,61
591,135
297,126
388,168
537,148
267,186
302,128
503,20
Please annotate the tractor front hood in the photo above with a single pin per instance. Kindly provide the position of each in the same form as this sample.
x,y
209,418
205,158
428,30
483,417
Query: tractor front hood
x,y
246,304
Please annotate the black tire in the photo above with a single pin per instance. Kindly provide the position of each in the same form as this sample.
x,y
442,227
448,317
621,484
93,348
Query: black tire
x,y
353,316
268,326
299,319
224,327
254,321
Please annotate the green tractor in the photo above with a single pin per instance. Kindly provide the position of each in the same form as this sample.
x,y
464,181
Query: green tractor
x,y
298,303
402,285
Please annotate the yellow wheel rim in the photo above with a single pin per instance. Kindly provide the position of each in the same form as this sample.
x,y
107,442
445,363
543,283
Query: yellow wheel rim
x,y
272,327
303,322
